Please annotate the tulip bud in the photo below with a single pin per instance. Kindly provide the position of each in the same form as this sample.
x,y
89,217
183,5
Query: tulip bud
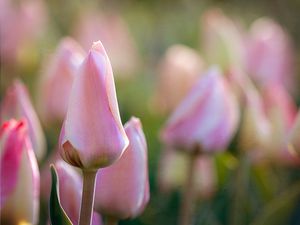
x,y
206,118
269,53
179,70
16,104
92,135
130,198
58,76
170,179
70,189
20,177
222,40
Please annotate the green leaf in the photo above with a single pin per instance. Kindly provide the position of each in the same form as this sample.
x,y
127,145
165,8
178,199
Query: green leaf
x,y
277,211
57,214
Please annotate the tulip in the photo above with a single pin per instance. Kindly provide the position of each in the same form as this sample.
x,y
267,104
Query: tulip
x,y
122,189
21,24
19,175
170,179
255,130
92,135
16,104
179,70
269,54
115,35
70,188
282,111
293,137
222,39
207,118
58,75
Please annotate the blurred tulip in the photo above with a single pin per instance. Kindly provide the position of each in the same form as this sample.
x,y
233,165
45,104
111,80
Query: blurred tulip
x,y
281,111
206,118
170,179
293,139
122,189
114,33
269,53
58,75
70,188
20,177
255,130
179,70
16,104
92,135
222,40
20,23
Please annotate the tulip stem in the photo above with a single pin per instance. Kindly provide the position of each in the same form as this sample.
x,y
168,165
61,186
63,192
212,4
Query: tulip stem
x,y
187,204
88,192
111,221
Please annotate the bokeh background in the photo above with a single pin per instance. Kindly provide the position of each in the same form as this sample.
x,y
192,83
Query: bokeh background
x,y
243,194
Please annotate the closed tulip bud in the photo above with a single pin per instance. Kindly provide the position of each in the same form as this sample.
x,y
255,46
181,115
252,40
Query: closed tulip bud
x,y
17,104
222,39
179,70
269,53
58,75
207,118
92,135
19,175
129,199
70,189
173,169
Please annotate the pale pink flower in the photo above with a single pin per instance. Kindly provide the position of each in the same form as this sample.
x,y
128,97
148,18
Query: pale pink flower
x,y
122,189
92,135
57,79
269,54
178,71
206,118
222,39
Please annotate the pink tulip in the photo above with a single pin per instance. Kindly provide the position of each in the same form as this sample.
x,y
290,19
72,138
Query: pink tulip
x,y
206,118
281,111
222,39
269,53
92,135
58,75
70,189
20,24
122,189
16,104
115,35
171,179
178,71
19,175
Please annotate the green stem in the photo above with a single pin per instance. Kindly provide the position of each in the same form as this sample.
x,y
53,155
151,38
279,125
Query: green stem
x,y
187,204
111,221
88,192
